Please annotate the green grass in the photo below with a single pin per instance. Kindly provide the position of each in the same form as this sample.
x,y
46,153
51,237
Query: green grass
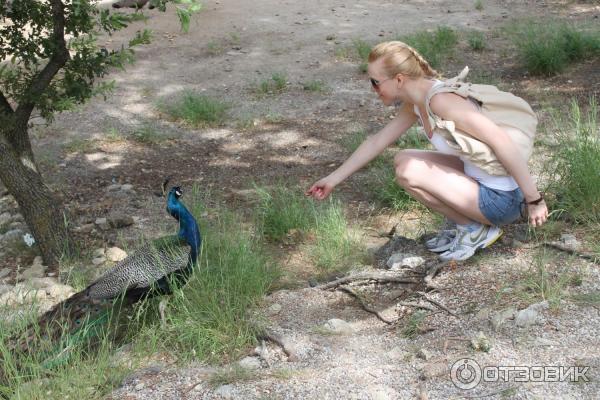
x,y
362,50
387,191
79,145
316,86
576,164
413,326
336,248
148,134
196,109
541,283
435,46
548,47
476,40
283,213
478,5
212,318
277,83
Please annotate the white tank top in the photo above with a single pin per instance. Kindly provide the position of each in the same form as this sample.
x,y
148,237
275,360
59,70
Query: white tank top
x,y
506,183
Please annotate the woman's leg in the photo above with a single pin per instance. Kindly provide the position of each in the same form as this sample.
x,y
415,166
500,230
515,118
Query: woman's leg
x,y
438,181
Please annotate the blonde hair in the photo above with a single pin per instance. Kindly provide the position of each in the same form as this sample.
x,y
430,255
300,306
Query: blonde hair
x,y
400,58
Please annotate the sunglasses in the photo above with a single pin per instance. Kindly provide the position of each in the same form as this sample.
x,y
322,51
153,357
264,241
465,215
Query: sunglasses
x,y
375,83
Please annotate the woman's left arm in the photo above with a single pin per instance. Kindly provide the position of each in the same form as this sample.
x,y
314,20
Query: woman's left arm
x,y
468,119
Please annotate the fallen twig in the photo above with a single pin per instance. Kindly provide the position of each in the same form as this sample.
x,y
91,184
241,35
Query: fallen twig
x,y
363,305
369,276
432,272
558,246
435,303
416,305
268,334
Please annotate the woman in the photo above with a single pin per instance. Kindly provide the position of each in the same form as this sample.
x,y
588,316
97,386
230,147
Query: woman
x,y
445,180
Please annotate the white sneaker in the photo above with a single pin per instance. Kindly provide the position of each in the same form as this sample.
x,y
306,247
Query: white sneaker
x,y
442,241
466,243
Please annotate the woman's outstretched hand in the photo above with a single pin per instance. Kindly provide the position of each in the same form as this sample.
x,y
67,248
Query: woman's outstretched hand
x,y
321,189
538,213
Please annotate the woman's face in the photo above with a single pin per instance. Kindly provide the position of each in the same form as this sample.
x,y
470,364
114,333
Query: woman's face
x,y
385,87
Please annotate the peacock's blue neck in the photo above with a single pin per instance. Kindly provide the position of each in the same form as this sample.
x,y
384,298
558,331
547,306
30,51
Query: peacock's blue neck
x,y
188,227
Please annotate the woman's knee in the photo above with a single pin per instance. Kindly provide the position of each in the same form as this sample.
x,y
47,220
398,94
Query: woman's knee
x,y
407,167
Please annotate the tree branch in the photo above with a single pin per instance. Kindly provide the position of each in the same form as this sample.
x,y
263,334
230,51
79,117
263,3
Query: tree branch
x,y
5,106
42,80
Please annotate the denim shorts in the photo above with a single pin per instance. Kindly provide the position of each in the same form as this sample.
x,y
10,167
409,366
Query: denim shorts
x,y
500,207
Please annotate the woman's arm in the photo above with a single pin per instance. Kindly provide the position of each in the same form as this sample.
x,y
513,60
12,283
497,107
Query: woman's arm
x,y
368,150
468,119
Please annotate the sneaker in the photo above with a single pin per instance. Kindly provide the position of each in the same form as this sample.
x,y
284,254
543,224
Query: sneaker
x,y
466,243
442,241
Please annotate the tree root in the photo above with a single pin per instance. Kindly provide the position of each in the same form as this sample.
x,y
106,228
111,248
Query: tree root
x,y
363,305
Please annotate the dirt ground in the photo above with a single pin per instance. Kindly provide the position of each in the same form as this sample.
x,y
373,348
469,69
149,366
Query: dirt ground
x,y
292,136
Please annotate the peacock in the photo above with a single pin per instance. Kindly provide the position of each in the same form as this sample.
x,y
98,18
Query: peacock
x,y
154,269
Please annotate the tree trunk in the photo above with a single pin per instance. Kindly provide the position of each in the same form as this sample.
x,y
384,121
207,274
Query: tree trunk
x,y
41,210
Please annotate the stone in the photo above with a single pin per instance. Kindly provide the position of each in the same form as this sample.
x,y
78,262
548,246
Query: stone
x,y
35,271
59,291
5,289
481,343
4,272
338,326
115,254
249,363
275,308
499,319
531,315
225,391
41,283
424,354
5,218
570,241
99,260
434,370
87,228
38,260
120,221
100,252
127,188
102,223
113,188
13,236
399,260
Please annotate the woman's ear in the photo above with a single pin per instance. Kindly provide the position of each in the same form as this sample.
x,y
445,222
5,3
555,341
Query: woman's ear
x,y
399,80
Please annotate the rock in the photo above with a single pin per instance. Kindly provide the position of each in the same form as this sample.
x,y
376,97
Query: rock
x,y
424,354
434,370
225,391
35,271
4,272
13,237
570,241
102,223
120,221
42,283
531,315
100,252
5,289
99,260
249,363
60,291
127,188
113,188
275,308
338,326
38,261
139,386
399,260
481,343
87,228
500,318
115,254
5,218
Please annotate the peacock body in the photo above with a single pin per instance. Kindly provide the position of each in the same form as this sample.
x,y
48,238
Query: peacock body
x,y
154,269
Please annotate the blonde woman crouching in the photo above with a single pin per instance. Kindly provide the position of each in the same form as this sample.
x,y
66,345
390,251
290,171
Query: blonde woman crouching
x,y
477,193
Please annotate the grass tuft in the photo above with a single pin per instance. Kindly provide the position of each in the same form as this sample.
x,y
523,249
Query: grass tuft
x,y
434,46
196,109
476,40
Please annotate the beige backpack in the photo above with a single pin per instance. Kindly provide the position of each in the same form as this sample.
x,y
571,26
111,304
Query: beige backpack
x,y
508,111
